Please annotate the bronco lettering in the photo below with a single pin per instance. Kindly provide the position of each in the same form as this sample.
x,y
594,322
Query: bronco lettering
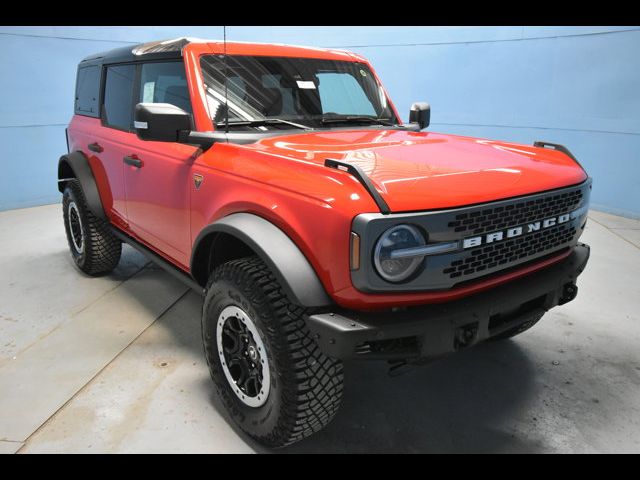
x,y
518,231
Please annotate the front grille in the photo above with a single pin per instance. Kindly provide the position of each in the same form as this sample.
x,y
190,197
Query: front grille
x,y
505,253
491,219
487,256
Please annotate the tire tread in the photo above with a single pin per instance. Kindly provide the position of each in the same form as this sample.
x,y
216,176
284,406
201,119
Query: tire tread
x,y
312,382
102,248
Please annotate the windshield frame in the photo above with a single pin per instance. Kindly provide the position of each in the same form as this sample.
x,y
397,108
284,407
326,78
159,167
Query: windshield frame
x,y
388,118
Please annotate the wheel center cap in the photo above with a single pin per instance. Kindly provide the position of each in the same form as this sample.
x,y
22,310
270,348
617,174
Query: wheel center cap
x,y
253,353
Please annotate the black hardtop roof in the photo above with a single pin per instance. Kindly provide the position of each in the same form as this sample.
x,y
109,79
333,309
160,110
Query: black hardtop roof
x,y
162,49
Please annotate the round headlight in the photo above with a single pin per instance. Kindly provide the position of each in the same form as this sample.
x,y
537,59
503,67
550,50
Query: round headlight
x,y
398,237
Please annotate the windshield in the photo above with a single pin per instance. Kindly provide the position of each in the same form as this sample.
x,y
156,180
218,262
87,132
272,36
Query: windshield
x,y
284,93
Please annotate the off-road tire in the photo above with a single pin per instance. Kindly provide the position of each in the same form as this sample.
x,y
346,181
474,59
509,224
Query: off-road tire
x,y
306,385
101,249
523,327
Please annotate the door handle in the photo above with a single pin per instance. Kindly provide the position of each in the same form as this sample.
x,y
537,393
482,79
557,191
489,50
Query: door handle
x,y
95,147
133,161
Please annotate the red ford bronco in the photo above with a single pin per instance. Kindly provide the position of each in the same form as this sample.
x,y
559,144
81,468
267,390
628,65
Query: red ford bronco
x,y
280,183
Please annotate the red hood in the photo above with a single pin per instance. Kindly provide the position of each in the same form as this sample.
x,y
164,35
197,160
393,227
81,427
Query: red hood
x,y
425,170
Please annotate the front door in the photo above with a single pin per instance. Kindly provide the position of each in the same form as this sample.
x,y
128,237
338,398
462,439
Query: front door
x,y
158,174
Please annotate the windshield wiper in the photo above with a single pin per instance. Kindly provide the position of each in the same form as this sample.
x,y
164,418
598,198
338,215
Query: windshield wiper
x,y
264,121
357,119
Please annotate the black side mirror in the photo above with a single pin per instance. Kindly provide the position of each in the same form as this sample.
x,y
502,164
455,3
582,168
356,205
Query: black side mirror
x,y
421,114
161,122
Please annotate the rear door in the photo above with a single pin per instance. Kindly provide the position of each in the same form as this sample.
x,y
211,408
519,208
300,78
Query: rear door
x,y
157,175
110,140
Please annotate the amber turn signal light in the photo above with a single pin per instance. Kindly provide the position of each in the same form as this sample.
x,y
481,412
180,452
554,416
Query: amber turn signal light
x,y
355,251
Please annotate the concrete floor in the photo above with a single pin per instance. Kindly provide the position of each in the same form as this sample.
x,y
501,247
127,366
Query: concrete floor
x,y
115,364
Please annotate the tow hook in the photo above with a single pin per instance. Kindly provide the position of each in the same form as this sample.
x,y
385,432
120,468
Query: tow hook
x,y
400,367
569,292
465,336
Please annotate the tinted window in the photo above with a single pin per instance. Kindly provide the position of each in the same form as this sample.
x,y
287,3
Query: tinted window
x,y
340,93
87,91
118,93
312,92
165,83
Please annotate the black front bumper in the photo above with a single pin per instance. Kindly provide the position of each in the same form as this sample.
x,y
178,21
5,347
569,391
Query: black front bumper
x,y
431,331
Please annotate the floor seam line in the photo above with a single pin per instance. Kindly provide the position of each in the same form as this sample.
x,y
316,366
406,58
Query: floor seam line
x,y
31,345
616,234
625,239
81,389
111,289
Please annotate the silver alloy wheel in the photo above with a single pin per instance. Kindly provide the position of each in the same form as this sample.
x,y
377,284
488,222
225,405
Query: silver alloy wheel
x,y
75,227
243,356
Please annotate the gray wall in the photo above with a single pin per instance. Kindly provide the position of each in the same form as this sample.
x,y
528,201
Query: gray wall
x,y
572,85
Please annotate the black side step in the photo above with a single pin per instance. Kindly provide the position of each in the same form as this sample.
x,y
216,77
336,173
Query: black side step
x,y
560,148
158,260
363,179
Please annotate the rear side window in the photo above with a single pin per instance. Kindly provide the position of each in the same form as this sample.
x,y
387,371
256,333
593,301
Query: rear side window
x,y
165,82
87,91
118,95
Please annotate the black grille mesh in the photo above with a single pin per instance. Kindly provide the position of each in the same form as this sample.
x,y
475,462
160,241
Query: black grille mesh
x,y
497,218
506,252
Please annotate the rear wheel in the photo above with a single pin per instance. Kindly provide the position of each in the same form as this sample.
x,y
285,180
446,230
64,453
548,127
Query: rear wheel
x,y
94,248
270,374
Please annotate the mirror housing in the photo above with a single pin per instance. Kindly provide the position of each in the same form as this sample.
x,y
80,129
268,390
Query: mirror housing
x,y
161,122
421,114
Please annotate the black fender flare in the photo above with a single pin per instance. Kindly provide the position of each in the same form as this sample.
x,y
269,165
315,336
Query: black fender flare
x,y
79,165
283,257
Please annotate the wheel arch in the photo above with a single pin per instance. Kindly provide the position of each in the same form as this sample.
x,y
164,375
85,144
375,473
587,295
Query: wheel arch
x,y
75,165
243,234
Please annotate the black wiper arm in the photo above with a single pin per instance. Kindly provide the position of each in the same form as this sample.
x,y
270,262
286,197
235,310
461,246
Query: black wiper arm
x,y
265,121
357,119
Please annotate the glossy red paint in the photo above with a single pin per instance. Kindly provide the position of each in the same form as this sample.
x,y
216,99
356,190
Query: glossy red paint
x,y
106,166
144,202
425,170
283,180
158,203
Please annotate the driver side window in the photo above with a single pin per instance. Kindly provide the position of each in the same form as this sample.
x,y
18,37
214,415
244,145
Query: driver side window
x,y
165,82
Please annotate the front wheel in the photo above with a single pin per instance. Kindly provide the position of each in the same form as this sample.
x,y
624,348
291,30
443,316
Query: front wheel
x,y
271,376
